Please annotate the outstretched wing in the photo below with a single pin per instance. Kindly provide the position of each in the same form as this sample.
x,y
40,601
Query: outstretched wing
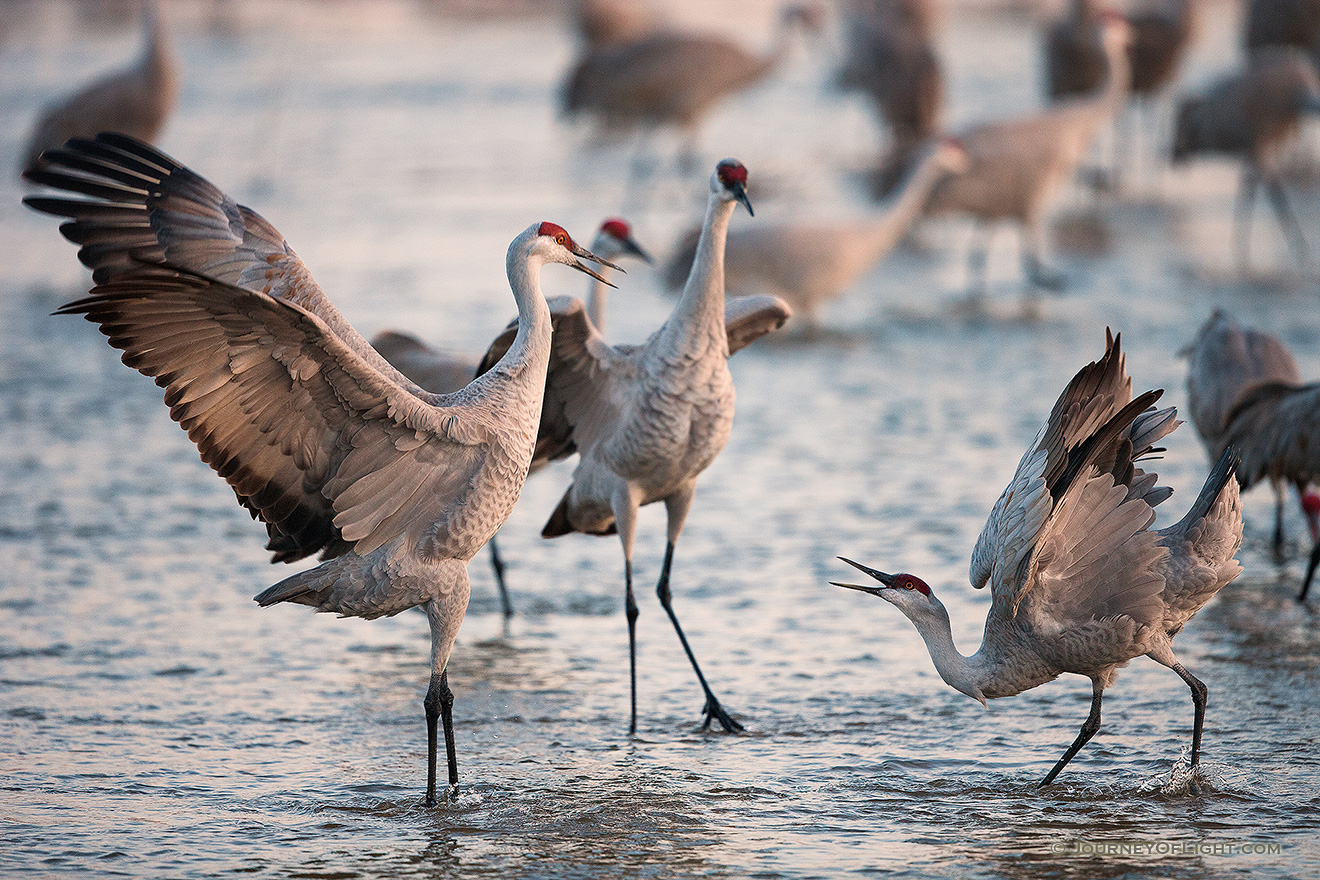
x,y
143,206
1090,399
325,449
438,371
1095,560
1276,429
748,318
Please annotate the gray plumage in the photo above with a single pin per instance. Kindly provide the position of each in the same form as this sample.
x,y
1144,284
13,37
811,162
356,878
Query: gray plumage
x,y
808,263
1275,426
647,419
1079,583
136,101
1074,56
1019,165
318,436
445,371
668,78
1253,115
613,22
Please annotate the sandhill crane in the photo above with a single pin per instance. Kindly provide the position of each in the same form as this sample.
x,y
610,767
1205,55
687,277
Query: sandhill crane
x,y
1079,583
318,436
136,101
1283,23
441,372
809,263
1275,426
1018,165
891,60
1252,115
670,78
648,419
1226,363
613,22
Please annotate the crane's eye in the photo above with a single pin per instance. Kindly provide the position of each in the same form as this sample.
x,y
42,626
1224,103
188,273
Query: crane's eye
x,y
559,238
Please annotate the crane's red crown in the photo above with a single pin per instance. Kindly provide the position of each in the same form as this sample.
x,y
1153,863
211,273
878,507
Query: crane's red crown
x,y
616,227
911,582
1311,503
731,171
555,231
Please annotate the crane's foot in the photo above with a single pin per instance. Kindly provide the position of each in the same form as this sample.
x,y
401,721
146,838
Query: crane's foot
x,y
715,712
448,794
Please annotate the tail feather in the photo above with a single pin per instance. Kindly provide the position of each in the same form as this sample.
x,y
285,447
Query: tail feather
x,y
1219,476
558,523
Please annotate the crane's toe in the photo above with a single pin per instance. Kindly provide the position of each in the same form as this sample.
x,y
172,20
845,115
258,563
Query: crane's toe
x,y
715,712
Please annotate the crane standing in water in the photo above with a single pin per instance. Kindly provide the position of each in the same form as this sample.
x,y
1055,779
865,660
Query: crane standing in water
x,y
671,79
1253,115
1079,583
649,419
319,437
1017,166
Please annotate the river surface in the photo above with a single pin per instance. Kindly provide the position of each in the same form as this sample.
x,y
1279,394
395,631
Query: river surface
x,y
154,722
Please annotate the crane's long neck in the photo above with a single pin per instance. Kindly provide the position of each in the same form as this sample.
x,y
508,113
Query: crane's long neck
x,y
964,674
903,206
598,299
701,307
1108,99
525,363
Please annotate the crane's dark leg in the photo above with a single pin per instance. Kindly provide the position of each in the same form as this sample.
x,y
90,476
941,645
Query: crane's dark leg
x,y
1310,572
1200,693
1287,219
1242,218
714,711
439,705
1089,727
1279,494
630,609
497,564
624,505
677,506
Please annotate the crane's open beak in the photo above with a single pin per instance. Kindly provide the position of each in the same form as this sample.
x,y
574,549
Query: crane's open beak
x,y
579,251
740,193
886,580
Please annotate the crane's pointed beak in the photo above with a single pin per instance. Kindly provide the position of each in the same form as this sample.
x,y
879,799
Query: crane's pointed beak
x,y
630,246
740,194
887,580
861,588
585,254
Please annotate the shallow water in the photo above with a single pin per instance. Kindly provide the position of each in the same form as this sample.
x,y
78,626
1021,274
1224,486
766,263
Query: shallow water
x,y
155,722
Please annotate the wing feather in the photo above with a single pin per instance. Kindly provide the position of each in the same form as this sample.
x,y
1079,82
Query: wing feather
x,y
311,437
